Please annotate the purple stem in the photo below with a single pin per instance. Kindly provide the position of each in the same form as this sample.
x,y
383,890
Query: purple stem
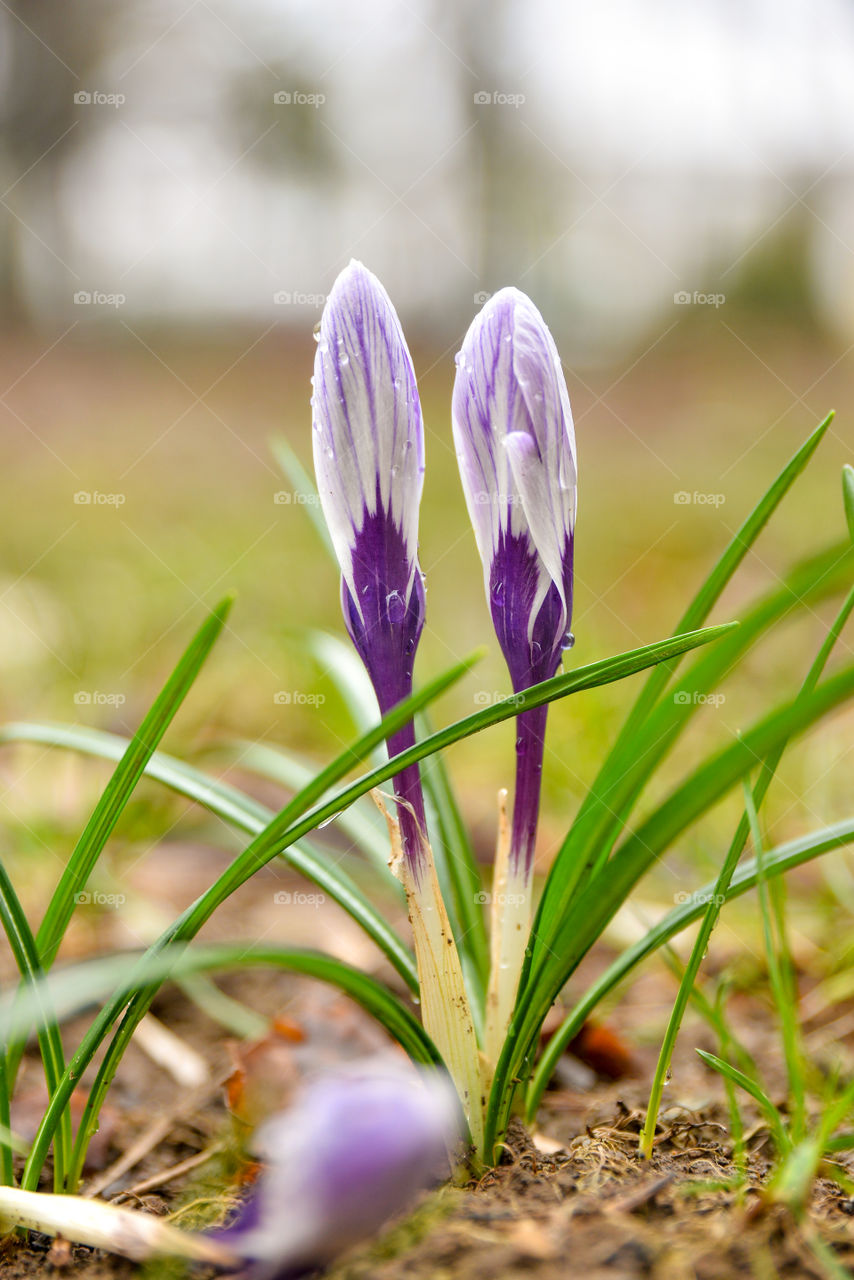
x,y
530,746
407,789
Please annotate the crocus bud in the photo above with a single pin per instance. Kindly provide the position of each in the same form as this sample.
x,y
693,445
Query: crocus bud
x,y
369,459
353,1152
516,449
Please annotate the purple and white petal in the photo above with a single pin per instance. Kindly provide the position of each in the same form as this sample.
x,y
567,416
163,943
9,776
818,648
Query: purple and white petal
x,y
516,449
368,440
368,433
354,1151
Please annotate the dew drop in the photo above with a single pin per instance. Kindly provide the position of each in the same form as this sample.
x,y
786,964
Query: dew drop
x,y
322,347
498,593
316,332
568,641
460,360
343,360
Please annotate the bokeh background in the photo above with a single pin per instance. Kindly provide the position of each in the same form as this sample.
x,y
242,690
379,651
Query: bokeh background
x,y
180,184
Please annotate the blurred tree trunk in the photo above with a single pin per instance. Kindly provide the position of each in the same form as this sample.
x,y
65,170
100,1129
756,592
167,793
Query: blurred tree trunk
x,y
53,49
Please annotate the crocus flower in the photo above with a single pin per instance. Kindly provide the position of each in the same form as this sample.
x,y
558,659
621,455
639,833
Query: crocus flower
x,y
516,448
369,459
351,1153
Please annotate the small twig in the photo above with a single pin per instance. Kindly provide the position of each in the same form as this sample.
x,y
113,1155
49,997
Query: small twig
x,y
169,1175
154,1135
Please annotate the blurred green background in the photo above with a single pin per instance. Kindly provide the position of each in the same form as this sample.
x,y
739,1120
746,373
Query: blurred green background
x,y
180,188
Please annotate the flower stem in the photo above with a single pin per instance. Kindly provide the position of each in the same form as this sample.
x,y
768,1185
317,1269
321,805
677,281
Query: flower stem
x,y
512,880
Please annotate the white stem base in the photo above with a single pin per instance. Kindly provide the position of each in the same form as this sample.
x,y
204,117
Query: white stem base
x,y
510,919
445,1009
106,1226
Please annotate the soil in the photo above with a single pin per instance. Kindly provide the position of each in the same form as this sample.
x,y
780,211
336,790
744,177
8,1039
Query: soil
x,y
572,1199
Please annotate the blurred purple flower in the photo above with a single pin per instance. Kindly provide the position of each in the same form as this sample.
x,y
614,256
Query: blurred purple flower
x,y
369,460
516,448
351,1154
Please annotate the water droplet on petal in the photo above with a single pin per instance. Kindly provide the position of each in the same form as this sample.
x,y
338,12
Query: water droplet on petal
x,y
460,360
342,360
568,641
498,593
316,332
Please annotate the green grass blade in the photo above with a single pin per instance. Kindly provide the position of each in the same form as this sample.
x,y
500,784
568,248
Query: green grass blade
x,y
7,1172
72,988
758,1094
304,490
777,959
241,811
593,909
778,861
121,785
25,952
357,823
227,802
748,822
848,496
623,775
